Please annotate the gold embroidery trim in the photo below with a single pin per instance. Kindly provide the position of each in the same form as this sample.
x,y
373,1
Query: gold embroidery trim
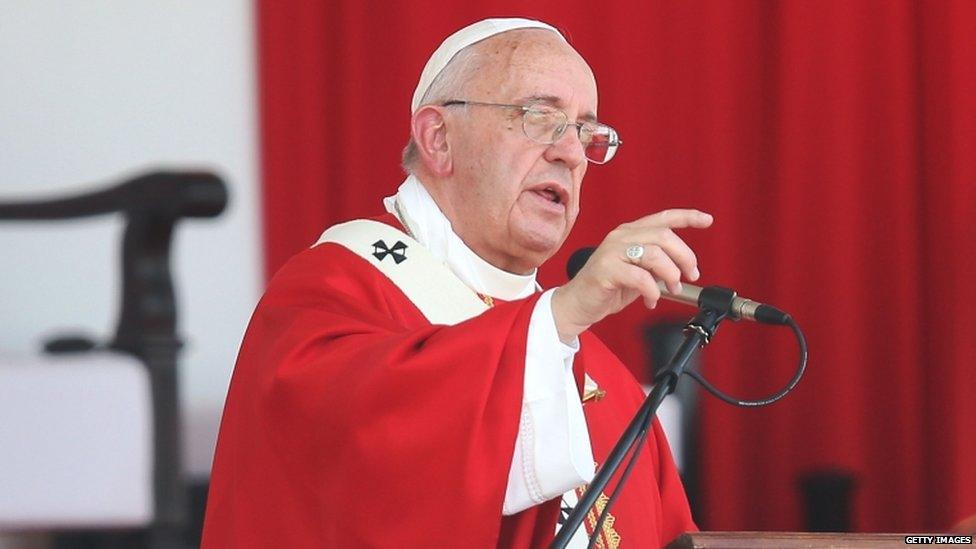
x,y
608,537
591,391
489,301
595,395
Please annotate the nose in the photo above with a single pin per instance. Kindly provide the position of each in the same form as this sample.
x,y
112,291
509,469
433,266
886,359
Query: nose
x,y
568,149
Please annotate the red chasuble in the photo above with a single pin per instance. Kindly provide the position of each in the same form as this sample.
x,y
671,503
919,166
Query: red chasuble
x,y
351,421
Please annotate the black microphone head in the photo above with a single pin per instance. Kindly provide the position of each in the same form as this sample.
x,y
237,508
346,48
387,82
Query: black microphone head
x,y
577,260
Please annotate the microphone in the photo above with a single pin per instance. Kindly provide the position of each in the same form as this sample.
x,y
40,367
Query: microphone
x,y
741,307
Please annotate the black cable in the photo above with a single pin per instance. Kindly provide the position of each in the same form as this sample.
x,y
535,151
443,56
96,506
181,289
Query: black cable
x,y
639,443
801,367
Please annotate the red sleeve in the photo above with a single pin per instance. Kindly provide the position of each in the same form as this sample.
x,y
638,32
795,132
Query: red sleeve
x,y
353,422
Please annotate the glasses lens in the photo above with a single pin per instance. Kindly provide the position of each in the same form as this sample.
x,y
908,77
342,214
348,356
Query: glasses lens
x,y
600,142
546,125
543,125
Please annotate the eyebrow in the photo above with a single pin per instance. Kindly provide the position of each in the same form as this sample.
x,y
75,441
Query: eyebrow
x,y
554,101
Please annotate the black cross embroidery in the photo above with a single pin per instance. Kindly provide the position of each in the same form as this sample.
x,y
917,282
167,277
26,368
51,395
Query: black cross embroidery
x,y
380,251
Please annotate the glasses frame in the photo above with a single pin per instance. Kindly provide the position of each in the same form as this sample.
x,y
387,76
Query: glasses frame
x,y
614,143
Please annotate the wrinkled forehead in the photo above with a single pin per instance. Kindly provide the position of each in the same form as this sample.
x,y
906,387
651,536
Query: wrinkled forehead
x,y
533,64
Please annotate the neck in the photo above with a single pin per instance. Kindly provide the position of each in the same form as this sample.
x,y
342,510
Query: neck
x,y
508,263
426,218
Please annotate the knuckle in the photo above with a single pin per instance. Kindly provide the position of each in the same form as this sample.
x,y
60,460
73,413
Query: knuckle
x,y
685,257
643,281
653,291
654,253
617,234
668,276
667,235
668,272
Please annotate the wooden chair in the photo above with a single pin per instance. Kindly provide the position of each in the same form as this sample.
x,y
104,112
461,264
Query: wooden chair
x,y
68,415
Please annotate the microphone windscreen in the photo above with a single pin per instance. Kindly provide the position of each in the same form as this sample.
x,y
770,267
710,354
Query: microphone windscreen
x,y
577,260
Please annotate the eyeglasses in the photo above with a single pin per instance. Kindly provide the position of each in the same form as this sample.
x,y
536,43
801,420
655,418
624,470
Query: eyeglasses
x,y
545,125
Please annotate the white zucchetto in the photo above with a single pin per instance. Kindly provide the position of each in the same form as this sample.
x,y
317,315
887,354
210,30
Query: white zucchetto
x,y
473,33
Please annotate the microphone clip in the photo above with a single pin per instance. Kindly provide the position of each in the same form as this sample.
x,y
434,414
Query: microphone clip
x,y
714,305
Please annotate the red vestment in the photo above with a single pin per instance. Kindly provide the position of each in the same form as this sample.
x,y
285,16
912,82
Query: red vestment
x,y
351,421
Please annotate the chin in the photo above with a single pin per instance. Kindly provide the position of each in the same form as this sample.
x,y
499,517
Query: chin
x,y
535,239
538,248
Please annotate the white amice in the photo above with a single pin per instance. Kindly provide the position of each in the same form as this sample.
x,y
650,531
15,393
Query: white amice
x,y
552,452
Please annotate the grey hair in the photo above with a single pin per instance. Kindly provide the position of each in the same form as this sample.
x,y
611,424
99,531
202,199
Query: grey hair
x,y
448,85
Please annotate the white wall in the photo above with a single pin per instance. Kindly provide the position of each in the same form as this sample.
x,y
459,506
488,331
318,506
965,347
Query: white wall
x,y
91,91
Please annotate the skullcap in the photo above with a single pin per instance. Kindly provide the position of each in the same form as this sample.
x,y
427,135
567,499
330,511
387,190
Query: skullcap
x,y
473,33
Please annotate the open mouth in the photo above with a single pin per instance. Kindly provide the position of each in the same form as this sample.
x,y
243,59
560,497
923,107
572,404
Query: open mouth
x,y
549,194
552,193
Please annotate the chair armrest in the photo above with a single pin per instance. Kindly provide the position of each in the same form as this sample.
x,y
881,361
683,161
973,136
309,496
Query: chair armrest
x,y
152,203
171,194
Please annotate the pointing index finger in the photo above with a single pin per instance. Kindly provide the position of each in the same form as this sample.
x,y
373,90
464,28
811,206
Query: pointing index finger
x,y
678,218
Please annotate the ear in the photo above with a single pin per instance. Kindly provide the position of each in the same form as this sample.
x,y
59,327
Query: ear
x,y
429,131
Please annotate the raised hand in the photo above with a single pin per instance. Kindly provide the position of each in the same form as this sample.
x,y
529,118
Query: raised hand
x,y
627,264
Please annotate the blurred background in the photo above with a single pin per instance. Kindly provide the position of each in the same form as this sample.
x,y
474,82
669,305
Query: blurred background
x,y
92,93
833,141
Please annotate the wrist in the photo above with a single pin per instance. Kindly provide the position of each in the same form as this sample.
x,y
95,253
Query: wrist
x,y
567,327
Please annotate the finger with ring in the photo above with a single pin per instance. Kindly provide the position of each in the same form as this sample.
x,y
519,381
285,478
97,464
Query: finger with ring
x,y
634,253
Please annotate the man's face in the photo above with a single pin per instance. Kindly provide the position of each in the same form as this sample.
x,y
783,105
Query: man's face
x,y
512,200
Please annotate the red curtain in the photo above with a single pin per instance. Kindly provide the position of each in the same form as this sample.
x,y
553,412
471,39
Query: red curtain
x,y
835,143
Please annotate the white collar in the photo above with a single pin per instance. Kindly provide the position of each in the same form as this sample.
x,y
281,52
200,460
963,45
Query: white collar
x,y
422,217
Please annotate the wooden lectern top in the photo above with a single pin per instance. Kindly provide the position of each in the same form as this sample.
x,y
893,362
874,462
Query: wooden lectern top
x,y
783,540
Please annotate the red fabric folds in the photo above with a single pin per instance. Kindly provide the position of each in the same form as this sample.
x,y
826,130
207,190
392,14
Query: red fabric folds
x,y
832,140
353,422
329,435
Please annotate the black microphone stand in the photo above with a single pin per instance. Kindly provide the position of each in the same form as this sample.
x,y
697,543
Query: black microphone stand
x,y
715,305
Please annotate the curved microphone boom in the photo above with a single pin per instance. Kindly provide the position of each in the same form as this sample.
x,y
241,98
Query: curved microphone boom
x,y
689,295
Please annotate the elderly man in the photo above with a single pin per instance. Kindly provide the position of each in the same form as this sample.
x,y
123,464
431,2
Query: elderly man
x,y
404,382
